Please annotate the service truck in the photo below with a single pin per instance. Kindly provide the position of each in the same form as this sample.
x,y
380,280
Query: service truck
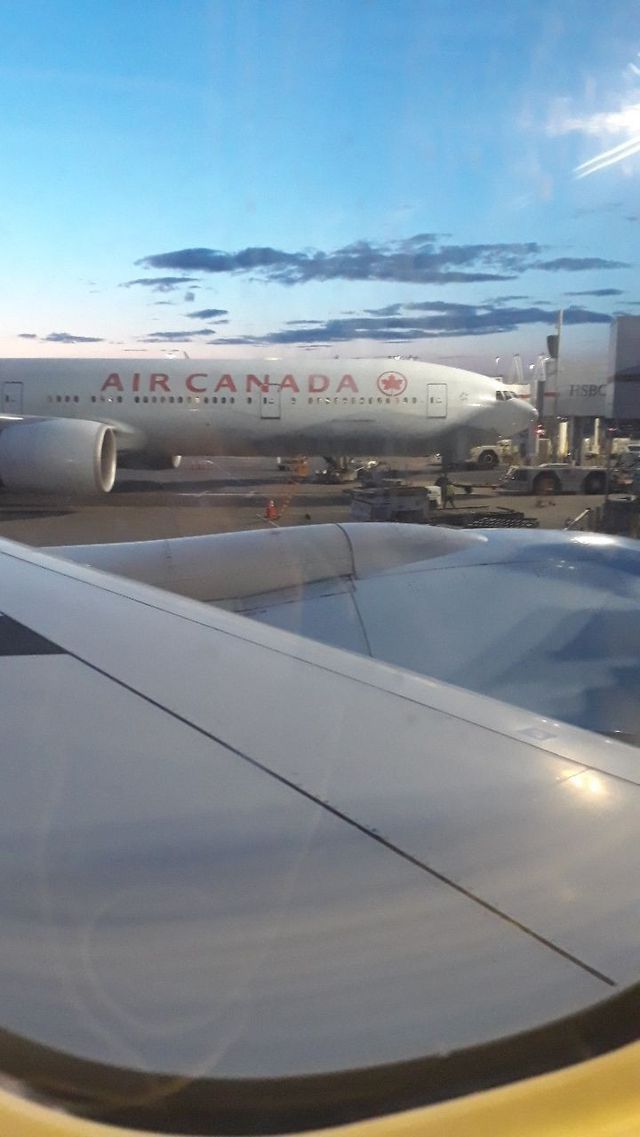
x,y
488,456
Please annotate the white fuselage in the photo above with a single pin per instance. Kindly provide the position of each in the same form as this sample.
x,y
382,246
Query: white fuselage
x,y
246,407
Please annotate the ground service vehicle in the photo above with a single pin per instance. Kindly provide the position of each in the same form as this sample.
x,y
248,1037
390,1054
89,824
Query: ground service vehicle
x,y
554,477
489,455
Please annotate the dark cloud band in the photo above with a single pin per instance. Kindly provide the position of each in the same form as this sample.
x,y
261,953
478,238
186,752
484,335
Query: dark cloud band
x,y
60,337
427,320
422,259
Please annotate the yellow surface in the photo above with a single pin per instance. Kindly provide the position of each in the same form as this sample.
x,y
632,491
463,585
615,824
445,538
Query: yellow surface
x,y
598,1098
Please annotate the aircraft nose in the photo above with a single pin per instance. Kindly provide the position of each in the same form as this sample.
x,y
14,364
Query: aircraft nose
x,y
527,413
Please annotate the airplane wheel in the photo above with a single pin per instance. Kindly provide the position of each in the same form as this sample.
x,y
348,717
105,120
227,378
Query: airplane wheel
x,y
546,484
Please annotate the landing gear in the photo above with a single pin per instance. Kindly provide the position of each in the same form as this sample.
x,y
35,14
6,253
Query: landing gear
x,y
337,471
340,465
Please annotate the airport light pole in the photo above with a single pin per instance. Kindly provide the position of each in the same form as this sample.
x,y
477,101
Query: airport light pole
x,y
538,382
553,349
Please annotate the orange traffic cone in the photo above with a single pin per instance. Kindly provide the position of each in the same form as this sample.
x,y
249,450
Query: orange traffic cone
x,y
271,511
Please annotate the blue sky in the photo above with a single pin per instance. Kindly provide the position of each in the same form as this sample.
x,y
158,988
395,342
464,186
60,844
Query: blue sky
x,y
358,177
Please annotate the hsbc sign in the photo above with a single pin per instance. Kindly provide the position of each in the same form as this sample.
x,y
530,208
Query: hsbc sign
x,y
581,399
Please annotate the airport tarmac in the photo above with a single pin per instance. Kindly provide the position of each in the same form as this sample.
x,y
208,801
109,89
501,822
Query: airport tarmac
x,y
222,495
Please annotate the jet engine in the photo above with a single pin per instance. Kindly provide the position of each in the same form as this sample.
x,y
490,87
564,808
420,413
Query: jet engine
x,y
69,456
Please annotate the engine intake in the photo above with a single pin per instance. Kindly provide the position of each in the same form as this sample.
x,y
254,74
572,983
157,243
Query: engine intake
x,y
70,456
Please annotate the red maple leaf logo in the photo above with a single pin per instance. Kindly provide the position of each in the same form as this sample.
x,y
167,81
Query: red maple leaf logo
x,y
390,383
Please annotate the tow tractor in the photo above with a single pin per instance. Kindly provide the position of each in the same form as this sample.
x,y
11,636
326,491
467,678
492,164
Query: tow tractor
x,y
554,478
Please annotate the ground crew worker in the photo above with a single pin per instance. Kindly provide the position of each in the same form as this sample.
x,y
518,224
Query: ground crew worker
x,y
448,493
271,511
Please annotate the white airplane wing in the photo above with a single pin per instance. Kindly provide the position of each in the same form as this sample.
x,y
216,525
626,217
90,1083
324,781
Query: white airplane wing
x,y
253,879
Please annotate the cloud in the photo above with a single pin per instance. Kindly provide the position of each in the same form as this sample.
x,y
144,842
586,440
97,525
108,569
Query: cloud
x,y
66,337
159,283
189,296
605,207
597,292
426,320
207,313
388,310
506,299
27,336
176,337
624,121
579,264
420,259
604,122
627,119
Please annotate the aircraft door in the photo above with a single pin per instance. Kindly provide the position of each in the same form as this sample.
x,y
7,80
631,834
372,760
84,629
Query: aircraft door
x,y
12,398
270,401
436,400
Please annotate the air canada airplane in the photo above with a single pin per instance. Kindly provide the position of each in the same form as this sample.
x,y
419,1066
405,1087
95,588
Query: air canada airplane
x,y
291,842
65,424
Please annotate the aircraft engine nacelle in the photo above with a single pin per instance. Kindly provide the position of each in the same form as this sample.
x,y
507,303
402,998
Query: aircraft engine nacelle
x,y
68,456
